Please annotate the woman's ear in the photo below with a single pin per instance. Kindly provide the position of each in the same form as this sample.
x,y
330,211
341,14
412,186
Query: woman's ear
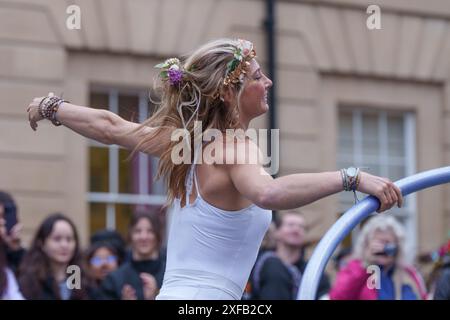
x,y
228,96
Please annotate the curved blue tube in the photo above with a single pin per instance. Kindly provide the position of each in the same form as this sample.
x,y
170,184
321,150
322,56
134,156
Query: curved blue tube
x,y
351,218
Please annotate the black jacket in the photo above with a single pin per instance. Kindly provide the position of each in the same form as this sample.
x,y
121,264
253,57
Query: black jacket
x,y
276,281
443,283
128,273
14,258
49,290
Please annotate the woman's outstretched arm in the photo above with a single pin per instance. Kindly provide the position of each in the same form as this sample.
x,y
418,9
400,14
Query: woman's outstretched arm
x,y
101,125
296,190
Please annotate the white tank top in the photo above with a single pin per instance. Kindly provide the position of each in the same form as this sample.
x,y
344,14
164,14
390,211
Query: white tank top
x,y
211,248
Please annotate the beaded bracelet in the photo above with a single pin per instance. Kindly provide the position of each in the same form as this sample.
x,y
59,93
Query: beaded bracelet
x,y
48,107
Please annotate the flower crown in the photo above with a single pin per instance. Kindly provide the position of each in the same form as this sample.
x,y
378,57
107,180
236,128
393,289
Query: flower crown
x,y
238,67
171,70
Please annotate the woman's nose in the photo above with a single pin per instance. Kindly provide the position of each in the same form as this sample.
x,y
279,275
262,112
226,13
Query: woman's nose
x,y
268,83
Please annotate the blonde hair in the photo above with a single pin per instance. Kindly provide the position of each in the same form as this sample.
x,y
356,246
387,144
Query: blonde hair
x,y
381,222
197,98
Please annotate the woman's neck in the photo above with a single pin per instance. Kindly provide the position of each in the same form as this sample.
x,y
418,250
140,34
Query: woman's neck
x,y
59,271
244,124
140,257
288,254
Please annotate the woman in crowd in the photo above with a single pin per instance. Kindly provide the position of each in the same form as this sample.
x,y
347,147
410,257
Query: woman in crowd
x,y
141,277
101,259
11,232
9,290
377,270
44,272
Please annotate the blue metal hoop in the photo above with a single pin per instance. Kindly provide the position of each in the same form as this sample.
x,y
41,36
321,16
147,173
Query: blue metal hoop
x,y
351,218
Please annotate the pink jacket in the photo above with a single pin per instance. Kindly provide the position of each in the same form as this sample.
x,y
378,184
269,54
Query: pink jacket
x,y
351,283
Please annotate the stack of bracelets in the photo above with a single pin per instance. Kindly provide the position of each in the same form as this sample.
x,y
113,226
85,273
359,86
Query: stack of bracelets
x,y
48,108
350,178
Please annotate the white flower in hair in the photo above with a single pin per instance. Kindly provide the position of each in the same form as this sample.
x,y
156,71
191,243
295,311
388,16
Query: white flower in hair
x,y
238,67
245,47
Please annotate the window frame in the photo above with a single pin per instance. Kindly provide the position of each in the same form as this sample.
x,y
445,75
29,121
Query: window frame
x,y
408,214
113,196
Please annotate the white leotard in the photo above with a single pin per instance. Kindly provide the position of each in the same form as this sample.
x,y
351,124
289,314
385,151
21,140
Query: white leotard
x,y
210,251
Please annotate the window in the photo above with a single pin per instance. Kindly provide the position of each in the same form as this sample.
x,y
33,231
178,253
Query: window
x,y
384,143
119,186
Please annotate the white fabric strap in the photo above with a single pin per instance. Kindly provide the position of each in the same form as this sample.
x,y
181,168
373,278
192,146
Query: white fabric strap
x,y
192,175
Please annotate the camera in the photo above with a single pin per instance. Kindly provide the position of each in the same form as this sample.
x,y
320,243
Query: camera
x,y
390,250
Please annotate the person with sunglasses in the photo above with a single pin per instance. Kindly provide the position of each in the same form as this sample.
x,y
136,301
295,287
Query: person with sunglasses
x,y
102,259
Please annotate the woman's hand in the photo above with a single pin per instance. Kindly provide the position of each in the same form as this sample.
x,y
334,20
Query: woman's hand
x,y
384,189
33,111
128,293
150,286
12,240
374,255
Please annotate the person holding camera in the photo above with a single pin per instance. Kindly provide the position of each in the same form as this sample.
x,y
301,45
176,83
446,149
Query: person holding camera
x,y
9,289
377,270
10,231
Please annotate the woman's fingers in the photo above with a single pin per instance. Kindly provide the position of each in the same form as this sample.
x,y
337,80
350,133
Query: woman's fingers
x,y
128,292
148,279
383,201
16,230
399,195
393,195
387,193
33,112
396,193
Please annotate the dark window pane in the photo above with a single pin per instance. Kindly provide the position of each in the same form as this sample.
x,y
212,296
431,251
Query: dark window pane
x,y
129,107
97,217
99,101
128,172
98,169
124,213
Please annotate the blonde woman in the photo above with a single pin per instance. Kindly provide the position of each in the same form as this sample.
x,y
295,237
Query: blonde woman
x,y
380,245
221,211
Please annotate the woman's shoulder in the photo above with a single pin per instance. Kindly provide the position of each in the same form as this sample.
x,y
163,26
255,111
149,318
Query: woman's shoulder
x,y
238,150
